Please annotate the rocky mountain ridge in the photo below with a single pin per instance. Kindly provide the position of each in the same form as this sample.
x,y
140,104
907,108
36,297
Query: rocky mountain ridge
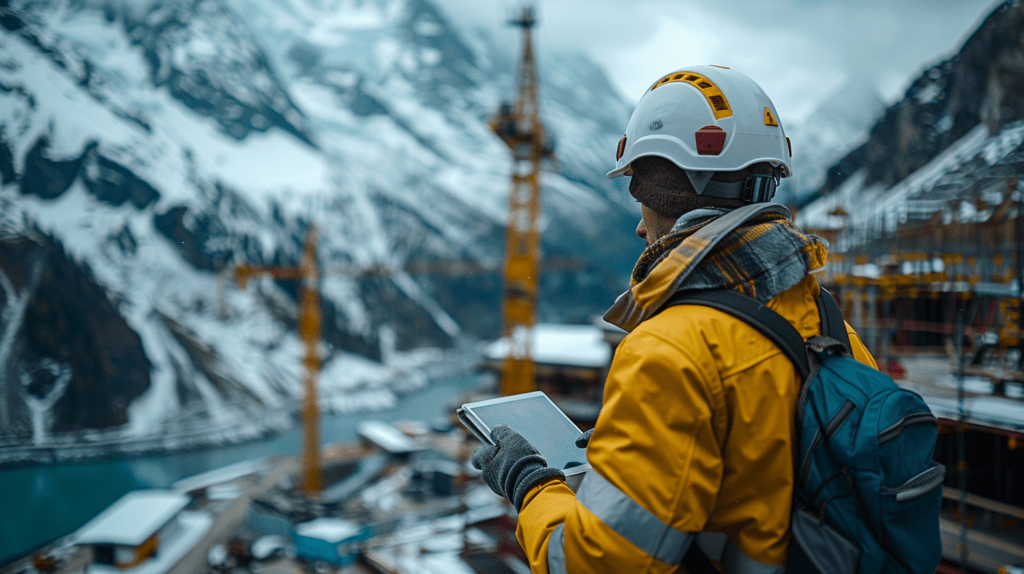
x,y
979,84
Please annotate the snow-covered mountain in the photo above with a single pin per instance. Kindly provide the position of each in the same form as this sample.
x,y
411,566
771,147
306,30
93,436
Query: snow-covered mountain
x,y
957,131
145,146
839,124
980,84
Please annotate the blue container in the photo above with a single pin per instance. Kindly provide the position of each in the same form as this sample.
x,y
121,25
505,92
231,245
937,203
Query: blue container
x,y
331,540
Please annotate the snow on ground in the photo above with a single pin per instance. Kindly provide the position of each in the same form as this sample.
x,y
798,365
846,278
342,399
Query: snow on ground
x,y
434,547
51,93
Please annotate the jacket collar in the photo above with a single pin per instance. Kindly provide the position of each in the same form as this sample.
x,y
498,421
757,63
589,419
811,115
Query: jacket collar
x,y
756,250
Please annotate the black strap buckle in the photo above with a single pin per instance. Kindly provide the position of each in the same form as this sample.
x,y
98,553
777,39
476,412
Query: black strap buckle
x,y
759,188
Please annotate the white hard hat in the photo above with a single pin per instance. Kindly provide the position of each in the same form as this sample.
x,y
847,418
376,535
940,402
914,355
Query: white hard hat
x,y
707,119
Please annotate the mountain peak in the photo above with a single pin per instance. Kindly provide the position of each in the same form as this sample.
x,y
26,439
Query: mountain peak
x,y
979,84
855,102
839,123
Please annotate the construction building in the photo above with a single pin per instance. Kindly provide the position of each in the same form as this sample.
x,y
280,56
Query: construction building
x,y
929,274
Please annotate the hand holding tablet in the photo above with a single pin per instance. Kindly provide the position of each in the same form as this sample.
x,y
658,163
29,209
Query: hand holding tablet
x,y
536,418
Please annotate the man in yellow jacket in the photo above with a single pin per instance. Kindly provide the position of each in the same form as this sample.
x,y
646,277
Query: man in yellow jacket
x,y
693,446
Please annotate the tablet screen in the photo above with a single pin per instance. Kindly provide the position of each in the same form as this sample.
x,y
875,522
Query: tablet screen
x,y
540,422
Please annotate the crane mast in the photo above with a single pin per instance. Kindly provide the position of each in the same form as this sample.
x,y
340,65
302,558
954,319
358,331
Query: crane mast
x,y
521,129
308,272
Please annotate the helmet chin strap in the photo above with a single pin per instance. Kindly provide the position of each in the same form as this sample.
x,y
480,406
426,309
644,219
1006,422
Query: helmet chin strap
x,y
756,188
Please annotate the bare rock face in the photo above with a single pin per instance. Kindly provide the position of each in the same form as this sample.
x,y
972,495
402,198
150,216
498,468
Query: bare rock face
x,y
69,363
981,83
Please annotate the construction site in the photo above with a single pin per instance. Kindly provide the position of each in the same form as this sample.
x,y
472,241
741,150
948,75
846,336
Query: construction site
x,y
403,498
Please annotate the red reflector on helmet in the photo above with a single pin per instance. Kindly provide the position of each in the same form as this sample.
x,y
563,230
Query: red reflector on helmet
x,y
710,140
621,149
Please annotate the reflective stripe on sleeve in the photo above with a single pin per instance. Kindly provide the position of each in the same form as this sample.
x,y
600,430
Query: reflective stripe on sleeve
x,y
631,521
556,551
712,544
717,546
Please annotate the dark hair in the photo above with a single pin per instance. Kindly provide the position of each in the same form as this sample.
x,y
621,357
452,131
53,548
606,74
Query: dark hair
x,y
663,186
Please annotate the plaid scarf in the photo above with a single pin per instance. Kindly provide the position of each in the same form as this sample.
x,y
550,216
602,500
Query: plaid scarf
x,y
762,258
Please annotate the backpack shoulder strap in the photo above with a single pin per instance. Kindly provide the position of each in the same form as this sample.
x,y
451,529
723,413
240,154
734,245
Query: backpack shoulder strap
x,y
757,315
832,324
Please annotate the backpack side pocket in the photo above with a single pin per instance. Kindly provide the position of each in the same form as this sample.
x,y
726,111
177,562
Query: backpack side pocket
x,y
910,519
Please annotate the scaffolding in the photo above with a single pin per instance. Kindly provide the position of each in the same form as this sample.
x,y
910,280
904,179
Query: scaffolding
x,y
930,277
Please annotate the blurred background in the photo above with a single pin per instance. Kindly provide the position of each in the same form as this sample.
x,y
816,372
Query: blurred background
x,y
209,207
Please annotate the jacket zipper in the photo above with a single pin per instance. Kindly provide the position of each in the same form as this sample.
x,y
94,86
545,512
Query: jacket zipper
x,y
897,429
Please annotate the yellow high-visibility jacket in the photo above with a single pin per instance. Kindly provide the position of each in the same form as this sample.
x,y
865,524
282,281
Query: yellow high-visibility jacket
x,y
692,446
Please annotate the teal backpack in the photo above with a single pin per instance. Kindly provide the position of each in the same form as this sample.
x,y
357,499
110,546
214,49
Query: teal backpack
x,y
867,492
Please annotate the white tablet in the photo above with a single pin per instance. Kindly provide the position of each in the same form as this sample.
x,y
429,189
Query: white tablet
x,y
538,419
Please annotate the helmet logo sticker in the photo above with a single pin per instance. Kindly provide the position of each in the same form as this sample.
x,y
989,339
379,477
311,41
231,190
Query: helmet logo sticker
x,y
710,140
621,149
711,92
656,125
769,119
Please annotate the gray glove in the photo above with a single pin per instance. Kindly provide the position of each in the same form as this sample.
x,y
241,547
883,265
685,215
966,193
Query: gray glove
x,y
512,466
584,439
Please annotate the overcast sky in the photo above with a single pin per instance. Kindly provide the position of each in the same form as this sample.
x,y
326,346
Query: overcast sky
x,y
799,51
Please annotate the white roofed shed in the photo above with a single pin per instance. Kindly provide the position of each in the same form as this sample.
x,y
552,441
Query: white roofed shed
x,y
134,518
567,345
387,437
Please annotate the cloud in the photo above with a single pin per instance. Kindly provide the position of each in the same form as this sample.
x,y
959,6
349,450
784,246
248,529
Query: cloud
x,y
798,50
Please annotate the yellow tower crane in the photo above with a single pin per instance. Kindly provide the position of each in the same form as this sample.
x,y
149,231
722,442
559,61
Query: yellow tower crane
x,y
309,331
521,129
